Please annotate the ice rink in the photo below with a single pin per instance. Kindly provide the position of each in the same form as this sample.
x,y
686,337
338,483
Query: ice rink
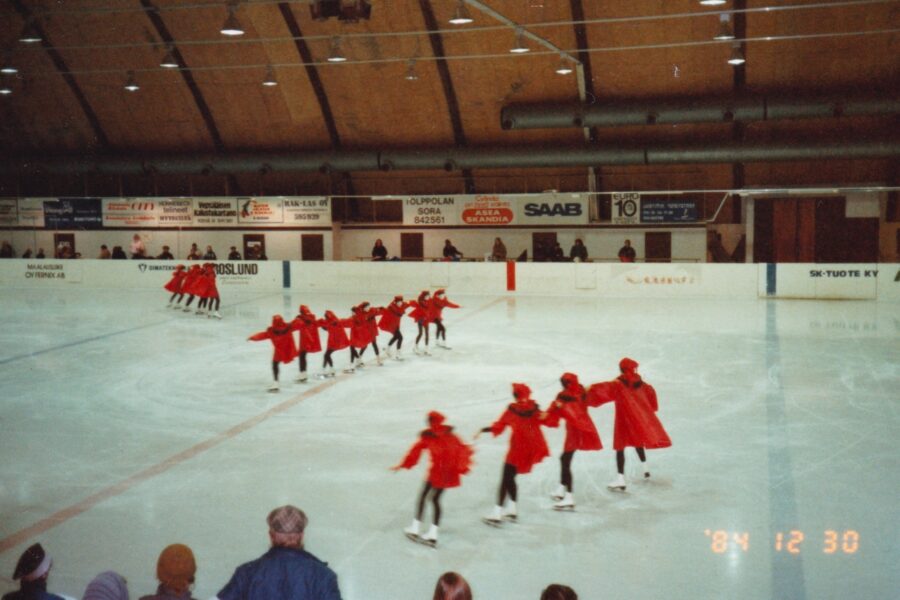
x,y
125,427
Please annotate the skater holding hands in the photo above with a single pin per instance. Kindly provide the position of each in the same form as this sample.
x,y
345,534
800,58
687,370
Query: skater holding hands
x,y
390,319
422,314
438,303
281,335
450,459
527,448
337,339
308,326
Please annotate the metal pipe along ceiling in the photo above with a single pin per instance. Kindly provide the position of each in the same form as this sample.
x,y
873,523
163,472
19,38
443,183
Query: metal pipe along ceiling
x,y
452,159
700,110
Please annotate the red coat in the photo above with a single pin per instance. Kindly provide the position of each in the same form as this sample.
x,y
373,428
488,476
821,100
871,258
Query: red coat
x,y
282,337
174,284
527,446
438,304
390,316
570,405
372,323
209,289
360,336
189,285
337,337
450,457
636,406
308,326
421,311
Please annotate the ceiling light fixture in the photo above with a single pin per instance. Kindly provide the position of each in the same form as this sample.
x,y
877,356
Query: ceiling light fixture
x,y
336,56
411,74
130,84
461,16
737,57
30,34
564,67
712,2
520,47
8,67
5,90
169,61
270,80
232,27
725,31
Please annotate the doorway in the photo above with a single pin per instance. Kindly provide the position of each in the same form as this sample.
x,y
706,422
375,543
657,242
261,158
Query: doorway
x,y
64,245
312,247
412,246
255,246
542,245
658,246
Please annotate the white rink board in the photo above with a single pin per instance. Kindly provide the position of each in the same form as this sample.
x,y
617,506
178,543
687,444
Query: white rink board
x,y
823,281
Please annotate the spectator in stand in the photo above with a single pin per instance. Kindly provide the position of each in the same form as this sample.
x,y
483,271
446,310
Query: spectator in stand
x,y
557,254
32,571
6,250
557,591
194,253
379,252
118,253
27,253
165,254
234,254
452,586
450,251
65,251
108,585
627,253
578,253
40,253
209,255
104,252
286,570
498,252
138,250
175,570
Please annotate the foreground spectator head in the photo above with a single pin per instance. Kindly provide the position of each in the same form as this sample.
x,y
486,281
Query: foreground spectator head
x,y
286,526
452,586
108,585
33,565
557,591
175,569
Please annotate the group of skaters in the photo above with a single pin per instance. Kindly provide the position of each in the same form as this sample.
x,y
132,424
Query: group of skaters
x,y
357,333
636,426
197,282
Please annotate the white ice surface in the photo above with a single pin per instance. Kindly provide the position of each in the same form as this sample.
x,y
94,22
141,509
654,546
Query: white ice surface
x,y
783,414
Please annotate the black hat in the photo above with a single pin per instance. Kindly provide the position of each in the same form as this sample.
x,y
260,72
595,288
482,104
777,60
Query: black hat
x,y
33,564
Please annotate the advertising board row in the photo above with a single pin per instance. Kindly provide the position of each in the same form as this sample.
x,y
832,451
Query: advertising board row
x,y
145,213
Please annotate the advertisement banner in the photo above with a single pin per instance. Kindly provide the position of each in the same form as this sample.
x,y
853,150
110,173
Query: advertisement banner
x,y
668,211
175,212
263,211
550,209
9,214
313,211
492,211
215,212
430,211
67,271
625,208
31,212
130,212
228,274
73,213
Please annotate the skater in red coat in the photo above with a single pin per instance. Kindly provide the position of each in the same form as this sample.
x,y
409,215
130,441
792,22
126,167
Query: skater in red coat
x,y
581,434
189,285
337,339
308,326
209,293
636,422
527,448
438,304
391,316
174,285
282,336
365,329
422,314
450,459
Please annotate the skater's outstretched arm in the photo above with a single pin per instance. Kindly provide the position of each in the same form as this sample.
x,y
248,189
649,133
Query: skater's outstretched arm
x,y
262,335
412,457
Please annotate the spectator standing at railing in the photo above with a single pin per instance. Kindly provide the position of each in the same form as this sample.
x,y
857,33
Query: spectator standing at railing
x,y
379,252
627,253
138,250
210,254
450,251
104,252
579,252
498,252
194,253
165,254
6,250
234,254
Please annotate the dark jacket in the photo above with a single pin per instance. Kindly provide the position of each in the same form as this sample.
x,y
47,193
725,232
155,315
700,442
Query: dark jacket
x,y
288,573
164,593
32,590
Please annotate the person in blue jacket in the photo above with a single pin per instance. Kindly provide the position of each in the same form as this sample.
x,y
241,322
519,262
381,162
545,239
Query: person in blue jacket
x,y
32,571
286,570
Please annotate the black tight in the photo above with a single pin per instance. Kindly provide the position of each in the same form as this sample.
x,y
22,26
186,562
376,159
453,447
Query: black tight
x,y
508,484
203,302
422,328
435,500
326,361
441,332
354,354
275,369
397,337
180,296
565,461
303,362
374,347
620,458
190,299
216,301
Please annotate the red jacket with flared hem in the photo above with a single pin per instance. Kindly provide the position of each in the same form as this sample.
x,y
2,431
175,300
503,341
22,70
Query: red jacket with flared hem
x,y
636,422
450,457
581,433
527,446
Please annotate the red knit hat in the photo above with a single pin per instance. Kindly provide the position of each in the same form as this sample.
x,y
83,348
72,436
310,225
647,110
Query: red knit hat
x,y
435,418
277,321
521,391
569,378
626,365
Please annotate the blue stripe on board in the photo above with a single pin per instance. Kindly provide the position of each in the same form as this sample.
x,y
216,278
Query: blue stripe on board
x,y
787,568
286,273
771,279
104,336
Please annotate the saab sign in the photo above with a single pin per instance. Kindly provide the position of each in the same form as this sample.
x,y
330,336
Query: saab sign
x,y
570,209
552,209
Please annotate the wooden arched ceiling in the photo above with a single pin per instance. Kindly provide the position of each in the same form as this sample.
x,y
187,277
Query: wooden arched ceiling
x,y
219,104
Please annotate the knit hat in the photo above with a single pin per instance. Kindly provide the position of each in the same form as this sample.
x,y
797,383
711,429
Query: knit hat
x,y
626,364
176,567
569,379
287,519
304,308
398,298
33,564
521,391
440,292
108,585
435,418
277,321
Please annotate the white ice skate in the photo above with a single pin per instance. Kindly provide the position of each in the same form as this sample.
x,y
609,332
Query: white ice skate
x,y
302,377
378,360
350,369
360,364
617,484
559,493
425,351
199,311
430,538
443,344
509,512
187,309
495,518
215,314
566,504
412,532
389,352
273,387
398,356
